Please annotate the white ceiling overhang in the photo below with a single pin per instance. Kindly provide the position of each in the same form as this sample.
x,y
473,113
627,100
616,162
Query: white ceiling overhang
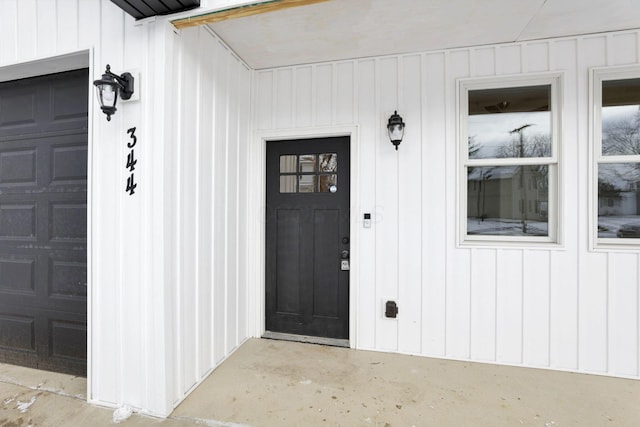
x,y
345,29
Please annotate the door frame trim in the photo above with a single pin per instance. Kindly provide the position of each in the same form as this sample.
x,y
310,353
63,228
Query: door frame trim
x,y
256,206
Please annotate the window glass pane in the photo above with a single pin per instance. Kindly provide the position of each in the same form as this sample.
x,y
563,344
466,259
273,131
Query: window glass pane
x,y
328,183
621,117
510,122
307,183
500,201
619,200
287,183
287,164
307,163
328,162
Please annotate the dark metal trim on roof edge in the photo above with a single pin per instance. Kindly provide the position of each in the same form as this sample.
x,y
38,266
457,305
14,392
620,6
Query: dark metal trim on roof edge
x,y
141,9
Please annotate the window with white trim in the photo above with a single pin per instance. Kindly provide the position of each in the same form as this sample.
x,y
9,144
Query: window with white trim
x,y
616,135
509,158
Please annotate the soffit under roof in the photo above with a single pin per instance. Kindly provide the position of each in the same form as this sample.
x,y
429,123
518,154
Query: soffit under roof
x,y
140,9
346,29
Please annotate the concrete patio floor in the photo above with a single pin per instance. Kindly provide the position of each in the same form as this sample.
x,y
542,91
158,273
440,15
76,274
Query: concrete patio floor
x,y
280,383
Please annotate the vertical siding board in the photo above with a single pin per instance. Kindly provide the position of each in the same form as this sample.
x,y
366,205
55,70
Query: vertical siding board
x,y
592,271
483,61
434,197
344,93
536,57
46,24
219,216
131,300
367,306
205,203
28,24
410,208
323,81
264,99
509,285
483,304
284,98
9,32
89,26
458,278
231,206
387,203
187,205
535,324
624,48
107,346
244,134
564,264
509,59
67,16
303,98
623,312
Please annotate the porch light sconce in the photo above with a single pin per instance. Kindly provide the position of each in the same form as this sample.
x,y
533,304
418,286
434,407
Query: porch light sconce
x,y
396,129
107,89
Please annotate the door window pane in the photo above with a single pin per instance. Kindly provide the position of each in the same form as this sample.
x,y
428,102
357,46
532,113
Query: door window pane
x,y
498,203
307,183
307,163
619,200
287,183
510,122
288,164
328,183
328,162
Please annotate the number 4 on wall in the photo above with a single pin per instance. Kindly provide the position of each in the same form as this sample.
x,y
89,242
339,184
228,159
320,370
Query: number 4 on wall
x,y
131,185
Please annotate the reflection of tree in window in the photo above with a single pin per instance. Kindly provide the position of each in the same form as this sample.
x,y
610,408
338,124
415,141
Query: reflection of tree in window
x,y
619,177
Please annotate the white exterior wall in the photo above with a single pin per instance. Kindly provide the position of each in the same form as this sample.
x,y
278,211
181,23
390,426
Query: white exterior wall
x,y
161,260
564,308
208,199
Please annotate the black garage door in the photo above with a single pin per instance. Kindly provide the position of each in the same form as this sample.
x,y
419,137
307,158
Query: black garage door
x,y
43,222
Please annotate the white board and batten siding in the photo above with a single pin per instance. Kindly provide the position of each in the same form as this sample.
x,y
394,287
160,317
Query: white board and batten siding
x,y
560,307
212,122
166,285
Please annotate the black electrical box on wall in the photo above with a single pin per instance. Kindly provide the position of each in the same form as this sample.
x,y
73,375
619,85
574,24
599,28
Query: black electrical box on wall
x,y
391,309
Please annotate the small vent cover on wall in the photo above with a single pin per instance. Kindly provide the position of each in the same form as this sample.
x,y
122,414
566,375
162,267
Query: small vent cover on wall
x,y
145,8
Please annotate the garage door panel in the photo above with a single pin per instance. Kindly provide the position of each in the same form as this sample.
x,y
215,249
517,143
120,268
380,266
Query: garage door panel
x,y
68,279
68,221
18,108
17,332
43,221
67,165
18,167
18,220
17,275
68,103
67,339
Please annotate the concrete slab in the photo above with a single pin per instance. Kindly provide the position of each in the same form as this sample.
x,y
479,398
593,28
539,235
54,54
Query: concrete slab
x,y
280,383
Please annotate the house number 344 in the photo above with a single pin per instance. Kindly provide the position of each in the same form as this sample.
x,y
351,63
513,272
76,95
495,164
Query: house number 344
x,y
131,162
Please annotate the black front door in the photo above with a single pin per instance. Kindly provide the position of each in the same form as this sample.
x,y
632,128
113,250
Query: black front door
x,y
307,237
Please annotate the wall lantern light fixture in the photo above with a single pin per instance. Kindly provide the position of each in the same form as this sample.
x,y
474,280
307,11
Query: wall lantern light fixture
x,y
396,129
107,89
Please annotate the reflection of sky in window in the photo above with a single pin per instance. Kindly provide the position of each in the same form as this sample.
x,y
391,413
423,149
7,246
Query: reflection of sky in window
x,y
491,131
618,112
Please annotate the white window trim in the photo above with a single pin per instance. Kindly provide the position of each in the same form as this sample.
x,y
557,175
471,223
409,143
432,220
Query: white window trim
x,y
596,77
554,239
